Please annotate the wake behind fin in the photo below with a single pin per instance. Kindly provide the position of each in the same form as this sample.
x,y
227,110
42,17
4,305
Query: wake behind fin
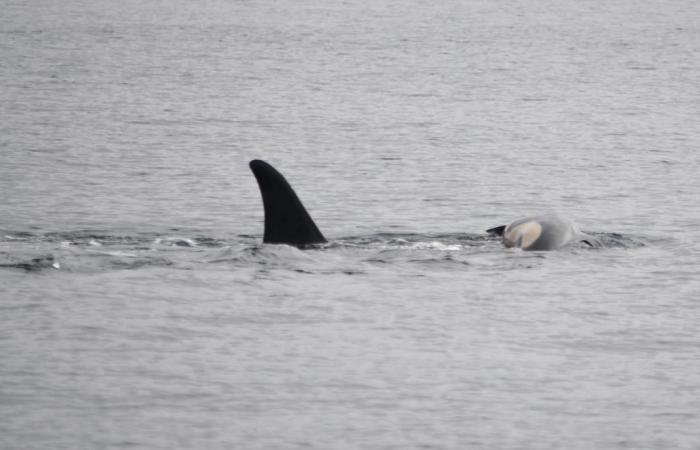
x,y
286,219
498,231
591,241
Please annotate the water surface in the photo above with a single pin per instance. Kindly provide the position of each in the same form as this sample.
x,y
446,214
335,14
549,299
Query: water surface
x,y
139,308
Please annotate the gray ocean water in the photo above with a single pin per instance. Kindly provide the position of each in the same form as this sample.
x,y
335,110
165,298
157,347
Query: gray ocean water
x,y
138,308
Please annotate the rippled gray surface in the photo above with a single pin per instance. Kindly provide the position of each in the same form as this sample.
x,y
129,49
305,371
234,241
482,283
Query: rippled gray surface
x,y
138,308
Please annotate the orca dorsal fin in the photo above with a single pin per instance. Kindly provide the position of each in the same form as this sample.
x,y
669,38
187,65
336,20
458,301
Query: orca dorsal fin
x,y
498,231
286,219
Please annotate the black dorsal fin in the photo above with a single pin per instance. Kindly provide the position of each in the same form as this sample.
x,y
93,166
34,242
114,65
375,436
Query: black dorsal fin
x,y
498,231
286,219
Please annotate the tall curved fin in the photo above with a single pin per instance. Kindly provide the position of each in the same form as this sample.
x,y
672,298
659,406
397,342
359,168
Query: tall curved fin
x,y
286,219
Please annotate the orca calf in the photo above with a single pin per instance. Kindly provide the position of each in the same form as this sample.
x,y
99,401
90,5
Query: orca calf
x,y
287,222
544,232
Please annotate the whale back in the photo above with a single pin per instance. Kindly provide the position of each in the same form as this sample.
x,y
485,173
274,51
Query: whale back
x,y
286,219
543,232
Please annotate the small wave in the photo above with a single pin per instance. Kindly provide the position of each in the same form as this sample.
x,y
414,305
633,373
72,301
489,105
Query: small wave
x,y
34,264
439,241
176,242
137,263
17,236
617,240
100,238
